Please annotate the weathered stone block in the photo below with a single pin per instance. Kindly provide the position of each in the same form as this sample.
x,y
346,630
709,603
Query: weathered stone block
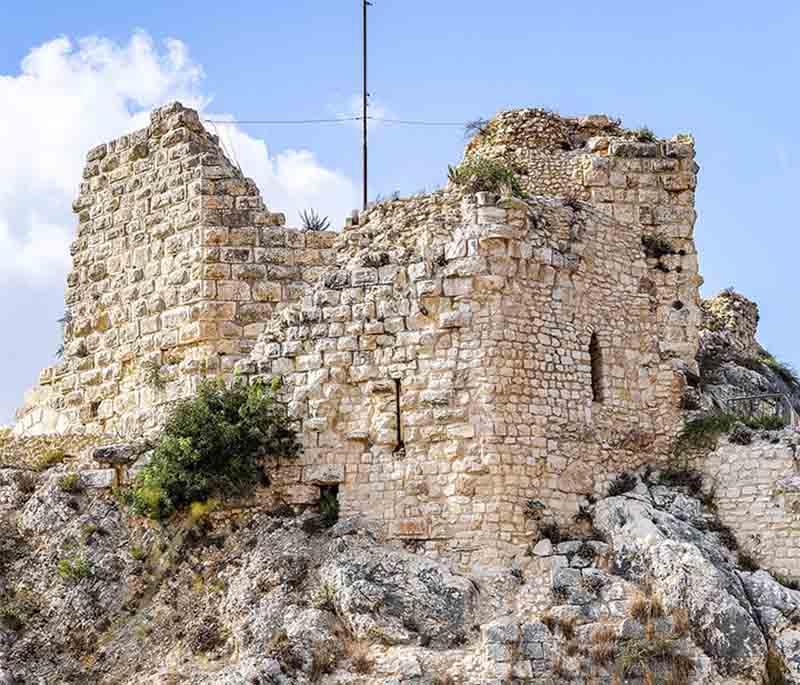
x,y
98,478
323,474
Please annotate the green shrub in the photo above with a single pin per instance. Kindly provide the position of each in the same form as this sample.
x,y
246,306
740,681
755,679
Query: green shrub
x,y
138,553
16,609
786,581
211,443
74,568
645,135
71,483
48,458
702,432
200,511
477,174
783,370
768,422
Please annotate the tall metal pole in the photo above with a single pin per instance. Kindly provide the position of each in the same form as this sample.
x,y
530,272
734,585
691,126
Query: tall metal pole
x,y
365,95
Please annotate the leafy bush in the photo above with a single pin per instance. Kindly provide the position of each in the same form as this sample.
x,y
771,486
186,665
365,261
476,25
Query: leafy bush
x,y
71,483
477,174
645,135
200,511
16,609
786,581
311,221
211,444
702,432
74,568
674,476
551,531
138,553
766,422
783,370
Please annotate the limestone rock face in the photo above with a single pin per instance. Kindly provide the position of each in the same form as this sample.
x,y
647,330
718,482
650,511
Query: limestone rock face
x,y
90,595
779,613
691,571
398,596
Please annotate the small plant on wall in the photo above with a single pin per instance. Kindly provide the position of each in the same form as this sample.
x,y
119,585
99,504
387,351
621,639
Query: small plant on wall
x,y
483,174
311,221
153,378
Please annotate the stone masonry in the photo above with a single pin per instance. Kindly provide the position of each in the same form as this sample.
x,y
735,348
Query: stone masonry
x,y
451,358
756,489
177,264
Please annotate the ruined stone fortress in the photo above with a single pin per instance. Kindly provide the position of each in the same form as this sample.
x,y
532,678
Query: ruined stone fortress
x,y
450,357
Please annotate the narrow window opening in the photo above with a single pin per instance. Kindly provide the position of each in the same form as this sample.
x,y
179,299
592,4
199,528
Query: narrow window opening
x,y
329,504
399,419
596,357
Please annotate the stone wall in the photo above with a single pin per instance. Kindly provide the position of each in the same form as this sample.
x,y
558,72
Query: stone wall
x,y
757,492
450,358
177,264
443,373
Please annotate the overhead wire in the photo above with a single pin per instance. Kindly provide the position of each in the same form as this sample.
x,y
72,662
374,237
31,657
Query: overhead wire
x,y
338,120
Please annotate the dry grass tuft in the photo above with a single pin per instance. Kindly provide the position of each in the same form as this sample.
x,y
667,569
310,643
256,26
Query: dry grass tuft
x,y
567,627
645,606
680,621
604,644
358,653
560,669
323,662
680,670
549,620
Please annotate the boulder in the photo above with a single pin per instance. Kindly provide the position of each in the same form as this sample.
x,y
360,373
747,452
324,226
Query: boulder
x,y
396,596
690,571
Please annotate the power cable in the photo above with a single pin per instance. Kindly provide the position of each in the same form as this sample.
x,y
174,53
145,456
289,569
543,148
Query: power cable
x,y
339,120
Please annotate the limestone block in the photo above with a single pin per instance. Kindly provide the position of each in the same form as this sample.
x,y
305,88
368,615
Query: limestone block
x,y
323,474
98,478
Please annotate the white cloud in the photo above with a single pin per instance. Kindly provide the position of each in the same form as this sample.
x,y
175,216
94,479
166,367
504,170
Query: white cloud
x,y
71,96
289,181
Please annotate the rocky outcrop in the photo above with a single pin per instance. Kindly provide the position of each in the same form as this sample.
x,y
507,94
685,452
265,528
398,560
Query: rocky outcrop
x,y
731,361
666,547
649,590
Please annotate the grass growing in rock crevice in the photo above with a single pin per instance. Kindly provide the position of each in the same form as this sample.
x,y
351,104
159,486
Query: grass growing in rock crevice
x,y
702,432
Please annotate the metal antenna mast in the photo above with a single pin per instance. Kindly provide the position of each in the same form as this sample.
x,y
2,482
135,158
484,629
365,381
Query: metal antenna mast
x,y
365,96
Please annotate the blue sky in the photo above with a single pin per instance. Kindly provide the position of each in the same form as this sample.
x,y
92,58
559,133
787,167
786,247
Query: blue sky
x,y
726,72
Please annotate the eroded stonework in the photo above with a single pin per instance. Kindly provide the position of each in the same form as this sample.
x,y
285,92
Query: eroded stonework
x,y
177,264
450,358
